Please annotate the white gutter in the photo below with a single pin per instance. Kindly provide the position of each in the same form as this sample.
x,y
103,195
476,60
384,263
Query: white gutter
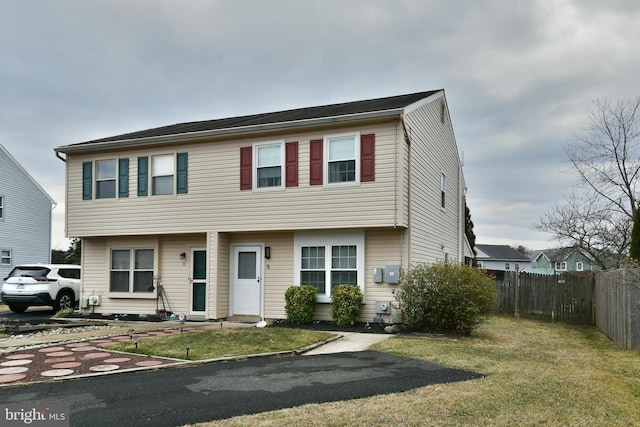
x,y
164,139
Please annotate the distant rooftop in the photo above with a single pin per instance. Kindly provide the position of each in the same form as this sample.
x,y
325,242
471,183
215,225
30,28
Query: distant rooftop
x,y
500,253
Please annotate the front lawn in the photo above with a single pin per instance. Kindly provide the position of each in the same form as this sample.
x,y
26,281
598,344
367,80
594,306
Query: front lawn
x,y
215,343
537,374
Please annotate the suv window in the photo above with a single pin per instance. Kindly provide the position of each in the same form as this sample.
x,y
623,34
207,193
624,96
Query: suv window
x,y
29,272
69,273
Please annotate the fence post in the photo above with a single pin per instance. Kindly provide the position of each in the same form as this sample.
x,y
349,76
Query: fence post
x,y
516,293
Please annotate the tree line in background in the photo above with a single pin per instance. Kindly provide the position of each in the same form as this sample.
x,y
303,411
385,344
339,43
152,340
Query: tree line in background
x,y
599,215
70,256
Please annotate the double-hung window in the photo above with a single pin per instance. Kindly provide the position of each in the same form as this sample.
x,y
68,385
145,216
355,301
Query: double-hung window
x,y
579,266
1,207
105,179
5,258
162,170
342,159
328,260
132,270
561,266
268,165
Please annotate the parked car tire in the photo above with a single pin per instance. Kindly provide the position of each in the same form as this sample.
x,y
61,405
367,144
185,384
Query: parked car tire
x,y
64,300
18,308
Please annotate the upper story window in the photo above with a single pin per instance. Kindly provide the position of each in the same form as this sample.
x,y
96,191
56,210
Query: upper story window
x,y
268,166
561,266
579,266
1,207
507,266
162,172
443,190
105,179
341,159
132,270
5,258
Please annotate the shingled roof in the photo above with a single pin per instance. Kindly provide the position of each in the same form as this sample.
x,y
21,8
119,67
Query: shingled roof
x,y
500,253
383,106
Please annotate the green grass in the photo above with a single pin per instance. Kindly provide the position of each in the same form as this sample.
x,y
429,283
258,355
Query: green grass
x,y
537,374
217,343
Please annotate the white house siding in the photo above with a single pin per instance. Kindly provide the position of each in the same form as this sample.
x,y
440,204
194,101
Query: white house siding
x,y
434,231
215,201
25,226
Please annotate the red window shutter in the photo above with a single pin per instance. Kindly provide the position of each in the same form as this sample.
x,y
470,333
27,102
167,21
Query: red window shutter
x,y
245,168
291,161
315,162
367,157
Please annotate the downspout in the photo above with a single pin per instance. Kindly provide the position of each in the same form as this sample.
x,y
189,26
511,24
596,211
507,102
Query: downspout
x,y
407,138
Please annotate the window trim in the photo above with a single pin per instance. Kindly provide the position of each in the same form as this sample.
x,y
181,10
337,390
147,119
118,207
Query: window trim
x,y
357,160
579,266
153,176
254,167
114,179
9,257
1,207
131,293
328,240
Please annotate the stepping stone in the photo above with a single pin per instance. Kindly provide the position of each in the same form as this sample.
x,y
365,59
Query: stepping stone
x,y
50,349
96,355
104,368
13,370
86,348
57,372
16,362
117,360
11,378
20,356
149,363
66,365
59,353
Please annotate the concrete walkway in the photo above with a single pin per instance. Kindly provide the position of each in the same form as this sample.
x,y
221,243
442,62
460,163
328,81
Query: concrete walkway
x,y
350,341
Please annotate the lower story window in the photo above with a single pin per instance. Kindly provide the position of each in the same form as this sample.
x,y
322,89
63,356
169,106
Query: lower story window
x,y
326,261
132,270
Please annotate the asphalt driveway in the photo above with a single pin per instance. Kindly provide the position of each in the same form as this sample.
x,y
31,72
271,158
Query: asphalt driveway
x,y
178,396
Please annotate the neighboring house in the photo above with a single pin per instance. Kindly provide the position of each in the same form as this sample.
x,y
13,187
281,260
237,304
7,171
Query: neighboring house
x,y
501,258
227,214
565,259
25,217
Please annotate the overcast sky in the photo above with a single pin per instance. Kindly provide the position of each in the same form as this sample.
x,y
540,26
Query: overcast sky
x,y
519,77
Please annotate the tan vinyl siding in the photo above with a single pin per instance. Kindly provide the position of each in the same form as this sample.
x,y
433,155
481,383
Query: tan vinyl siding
x,y
434,231
170,271
215,202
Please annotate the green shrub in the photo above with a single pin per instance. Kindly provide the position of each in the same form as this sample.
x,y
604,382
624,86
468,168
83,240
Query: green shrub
x,y
346,301
300,304
445,297
66,312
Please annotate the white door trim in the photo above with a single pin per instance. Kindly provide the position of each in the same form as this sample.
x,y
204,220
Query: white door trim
x,y
233,294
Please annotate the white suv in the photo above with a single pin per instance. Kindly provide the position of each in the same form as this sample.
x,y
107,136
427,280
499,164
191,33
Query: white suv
x,y
56,285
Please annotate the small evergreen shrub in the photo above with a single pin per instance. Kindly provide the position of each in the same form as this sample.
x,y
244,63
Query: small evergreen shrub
x,y
346,301
445,297
300,304
66,312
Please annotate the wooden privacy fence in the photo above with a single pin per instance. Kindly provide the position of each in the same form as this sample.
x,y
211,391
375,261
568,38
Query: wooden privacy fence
x,y
617,306
558,298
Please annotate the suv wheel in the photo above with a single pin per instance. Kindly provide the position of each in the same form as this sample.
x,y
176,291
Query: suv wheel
x,y
64,300
18,308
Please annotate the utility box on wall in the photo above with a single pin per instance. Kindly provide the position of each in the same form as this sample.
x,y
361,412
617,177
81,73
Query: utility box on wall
x,y
377,274
393,273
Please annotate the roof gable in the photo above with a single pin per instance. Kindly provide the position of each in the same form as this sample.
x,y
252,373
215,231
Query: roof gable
x,y
387,105
25,173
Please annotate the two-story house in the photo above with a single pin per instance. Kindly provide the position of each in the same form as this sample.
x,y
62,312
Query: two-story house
x,y
227,214
563,259
25,217
501,258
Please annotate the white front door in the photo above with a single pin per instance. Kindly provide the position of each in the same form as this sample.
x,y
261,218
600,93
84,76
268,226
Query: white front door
x,y
247,286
